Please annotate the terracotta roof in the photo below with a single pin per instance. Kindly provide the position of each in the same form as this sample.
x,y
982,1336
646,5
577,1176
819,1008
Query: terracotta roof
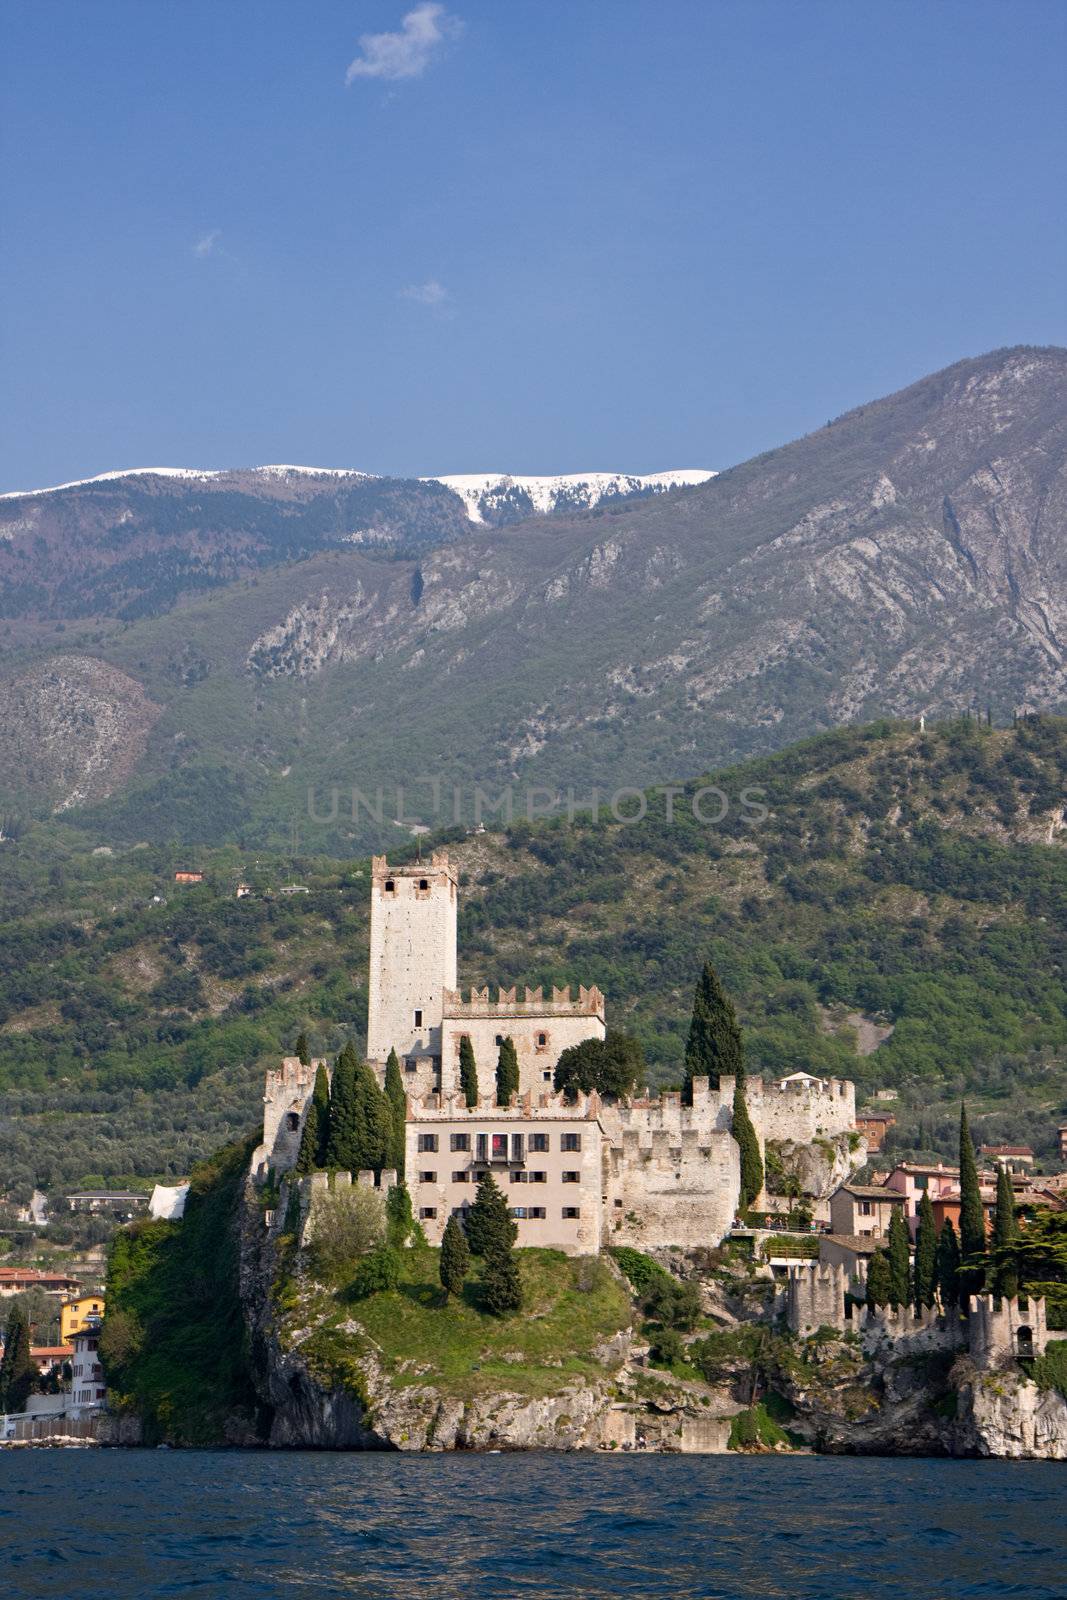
x,y
869,1191
1006,1150
864,1244
40,1352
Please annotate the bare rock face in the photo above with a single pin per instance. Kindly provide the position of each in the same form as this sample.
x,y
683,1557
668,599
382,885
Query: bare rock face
x,y
818,1168
1005,1415
74,727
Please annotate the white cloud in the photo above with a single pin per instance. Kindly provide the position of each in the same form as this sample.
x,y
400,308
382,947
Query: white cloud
x,y
405,54
430,293
206,244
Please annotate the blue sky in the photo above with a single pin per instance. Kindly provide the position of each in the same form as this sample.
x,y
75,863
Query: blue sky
x,y
530,236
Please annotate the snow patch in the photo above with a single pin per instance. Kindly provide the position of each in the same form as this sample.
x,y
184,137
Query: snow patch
x,y
481,492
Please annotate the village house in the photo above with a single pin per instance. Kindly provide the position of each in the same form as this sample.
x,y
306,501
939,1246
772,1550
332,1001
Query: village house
x,y
107,1202
1016,1157
17,1280
874,1125
76,1314
863,1210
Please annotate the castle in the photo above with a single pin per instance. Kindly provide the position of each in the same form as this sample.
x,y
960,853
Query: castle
x,y
578,1174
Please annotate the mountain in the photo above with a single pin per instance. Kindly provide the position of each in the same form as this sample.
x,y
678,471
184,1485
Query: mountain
x,y
893,909
134,543
908,557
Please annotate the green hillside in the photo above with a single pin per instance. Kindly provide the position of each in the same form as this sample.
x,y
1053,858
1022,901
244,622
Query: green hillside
x,y
905,888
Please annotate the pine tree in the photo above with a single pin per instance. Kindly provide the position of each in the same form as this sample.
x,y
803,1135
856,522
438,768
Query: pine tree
x,y
715,1047
374,1132
1005,1232
501,1284
879,1281
455,1257
396,1095
948,1265
972,1216
925,1282
18,1370
745,1134
320,1099
342,1139
302,1050
899,1259
507,1072
468,1072
489,1223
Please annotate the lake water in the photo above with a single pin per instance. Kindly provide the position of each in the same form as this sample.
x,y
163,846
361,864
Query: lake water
x,y
133,1525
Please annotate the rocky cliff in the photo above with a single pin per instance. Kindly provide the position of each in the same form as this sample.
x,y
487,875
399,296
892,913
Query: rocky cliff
x,y
341,1374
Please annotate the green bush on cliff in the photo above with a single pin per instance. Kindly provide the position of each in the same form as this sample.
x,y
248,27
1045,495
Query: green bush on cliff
x,y
176,1349
1050,1370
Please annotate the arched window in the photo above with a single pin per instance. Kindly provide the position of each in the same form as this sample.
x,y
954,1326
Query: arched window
x,y
292,1121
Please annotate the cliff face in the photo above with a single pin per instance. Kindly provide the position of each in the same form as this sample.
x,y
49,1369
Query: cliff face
x,y
1008,1416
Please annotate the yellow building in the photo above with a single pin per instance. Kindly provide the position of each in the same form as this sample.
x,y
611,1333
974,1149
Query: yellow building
x,y
74,1314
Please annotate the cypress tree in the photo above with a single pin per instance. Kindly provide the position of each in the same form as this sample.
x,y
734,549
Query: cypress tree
x,y
925,1255
455,1257
972,1216
341,1140
320,1099
501,1284
714,1047
879,1281
307,1156
948,1265
899,1259
374,1132
507,1072
18,1370
302,1050
468,1072
489,1223
745,1134
1005,1232
398,1106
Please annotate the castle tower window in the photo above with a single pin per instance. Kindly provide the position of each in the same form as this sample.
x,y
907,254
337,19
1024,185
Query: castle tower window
x,y
427,1177
424,883
418,1019
542,1040
428,1141
390,886
1024,1339
571,1213
570,1141
459,1141
537,1211
539,1141
500,1038
427,1213
572,1177
292,1121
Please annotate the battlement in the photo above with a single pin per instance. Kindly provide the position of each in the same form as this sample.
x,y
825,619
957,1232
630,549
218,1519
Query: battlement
x,y
291,1079
589,1003
545,1107
1006,1328
439,867
815,1297
313,1189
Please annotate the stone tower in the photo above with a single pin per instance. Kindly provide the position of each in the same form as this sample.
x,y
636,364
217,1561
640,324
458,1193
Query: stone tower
x,y
412,956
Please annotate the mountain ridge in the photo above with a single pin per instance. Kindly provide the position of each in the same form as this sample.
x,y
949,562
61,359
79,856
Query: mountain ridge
x,y
909,557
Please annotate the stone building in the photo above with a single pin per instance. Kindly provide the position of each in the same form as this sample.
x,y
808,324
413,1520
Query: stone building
x,y
578,1175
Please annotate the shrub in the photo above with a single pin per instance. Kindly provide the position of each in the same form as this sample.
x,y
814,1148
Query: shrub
x,y
347,1224
376,1272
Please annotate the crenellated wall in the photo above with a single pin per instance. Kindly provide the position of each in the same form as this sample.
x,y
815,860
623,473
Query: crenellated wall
x,y
285,1096
540,1029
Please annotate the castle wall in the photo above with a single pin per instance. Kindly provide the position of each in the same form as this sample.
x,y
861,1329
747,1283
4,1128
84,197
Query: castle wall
x,y
412,955
671,1175
541,1030
448,1148
286,1093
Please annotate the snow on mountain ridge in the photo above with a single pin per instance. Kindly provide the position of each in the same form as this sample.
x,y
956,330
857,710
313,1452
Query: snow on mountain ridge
x,y
489,491
487,496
